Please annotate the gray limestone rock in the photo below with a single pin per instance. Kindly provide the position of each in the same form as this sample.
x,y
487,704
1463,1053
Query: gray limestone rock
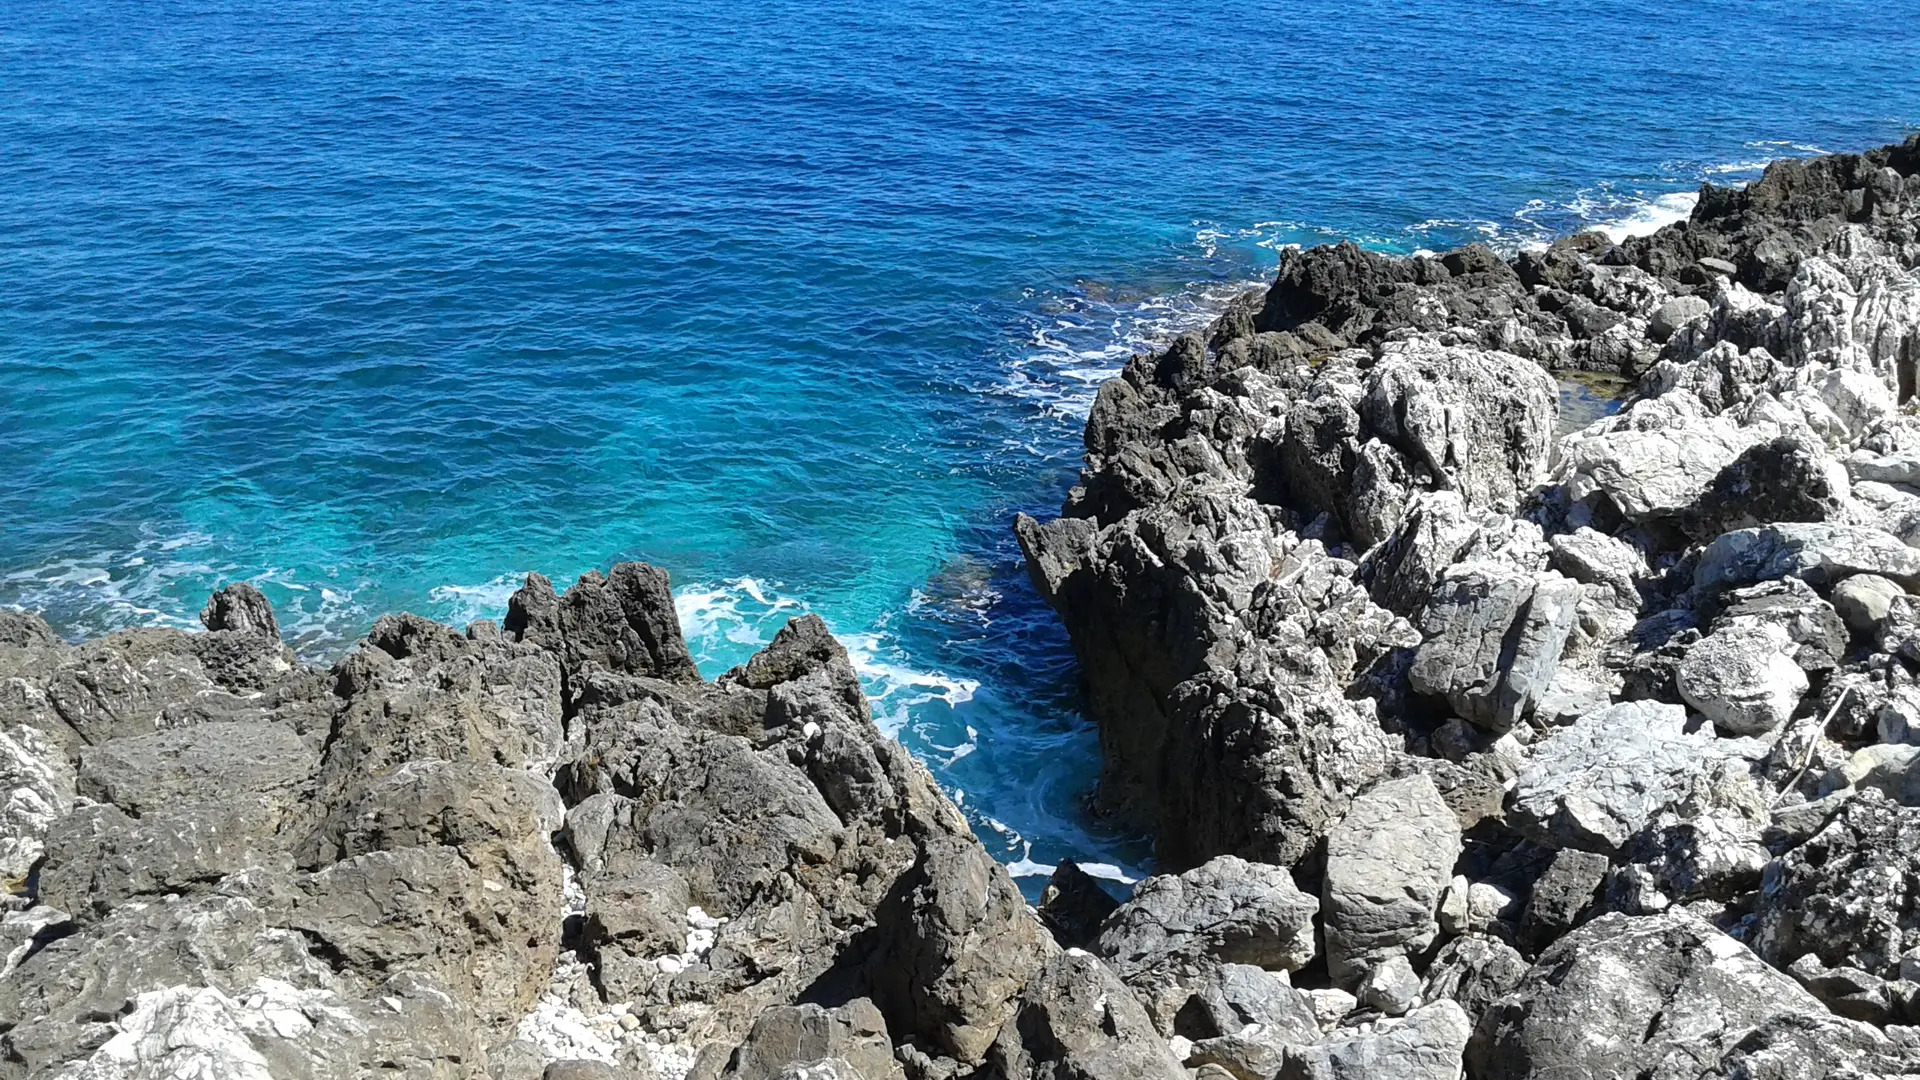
x,y
1863,601
1177,929
1493,641
1426,1044
1743,678
789,1035
1387,863
1617,996
1597,783
1473,971
1820,554
1077,1019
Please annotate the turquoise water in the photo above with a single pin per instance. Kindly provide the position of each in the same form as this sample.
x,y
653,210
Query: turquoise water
x,y
383,305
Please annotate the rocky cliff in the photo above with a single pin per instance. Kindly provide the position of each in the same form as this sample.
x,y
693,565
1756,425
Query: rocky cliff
x,y
1594,752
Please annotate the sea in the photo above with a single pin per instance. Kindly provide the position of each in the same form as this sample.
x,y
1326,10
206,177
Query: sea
x,y
380,306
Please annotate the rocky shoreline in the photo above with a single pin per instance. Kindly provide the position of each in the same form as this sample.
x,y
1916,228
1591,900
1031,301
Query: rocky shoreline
x,y
1598,749
1469,747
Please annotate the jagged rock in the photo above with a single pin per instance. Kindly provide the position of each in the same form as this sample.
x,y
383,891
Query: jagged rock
x,y
1387,863
1592,557
25,630
1473,971
960,947
1818,634
622,622
1796,1046
1561,897
1864,600
241,608
1077,1020
1784,479
1821,554
1422,417
1177,929
1493,641
37,783
1743,678
1073,905
1618,995
783,1036
1233,996
1423,1045
1390,986
1843,895
1597,783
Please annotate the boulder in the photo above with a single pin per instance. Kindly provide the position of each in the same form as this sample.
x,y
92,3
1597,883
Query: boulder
x,y
1493,641
1076,1019
1561,897
1844,896
1473,971
241,608
1743,678
1597,783
1617,996
787,1035
1820,554
1073,905
1177,929
1387,863
1425,1044
1864,600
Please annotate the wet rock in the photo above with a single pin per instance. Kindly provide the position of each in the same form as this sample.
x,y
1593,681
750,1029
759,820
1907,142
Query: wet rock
x,y
1618,995
1387,863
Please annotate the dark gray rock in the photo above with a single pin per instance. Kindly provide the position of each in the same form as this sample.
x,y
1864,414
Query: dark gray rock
x,y
1073,905
1844,896
1561,897
1076,1021
621,622
240,608
24,630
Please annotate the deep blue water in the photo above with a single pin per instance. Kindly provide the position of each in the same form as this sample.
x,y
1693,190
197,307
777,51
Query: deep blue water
x,y
383,305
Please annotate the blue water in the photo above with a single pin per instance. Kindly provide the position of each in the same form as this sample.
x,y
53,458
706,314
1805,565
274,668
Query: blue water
x,y
383,305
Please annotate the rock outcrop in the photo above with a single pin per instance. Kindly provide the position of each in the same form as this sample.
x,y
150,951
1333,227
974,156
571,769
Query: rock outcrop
x,y
1597,743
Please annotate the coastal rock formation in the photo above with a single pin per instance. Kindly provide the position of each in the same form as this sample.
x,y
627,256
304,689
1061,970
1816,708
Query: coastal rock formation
x,y
1596,743
1470,747
544,849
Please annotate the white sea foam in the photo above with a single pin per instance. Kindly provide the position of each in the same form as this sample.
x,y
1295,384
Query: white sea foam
x,y
1651,216
462,604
